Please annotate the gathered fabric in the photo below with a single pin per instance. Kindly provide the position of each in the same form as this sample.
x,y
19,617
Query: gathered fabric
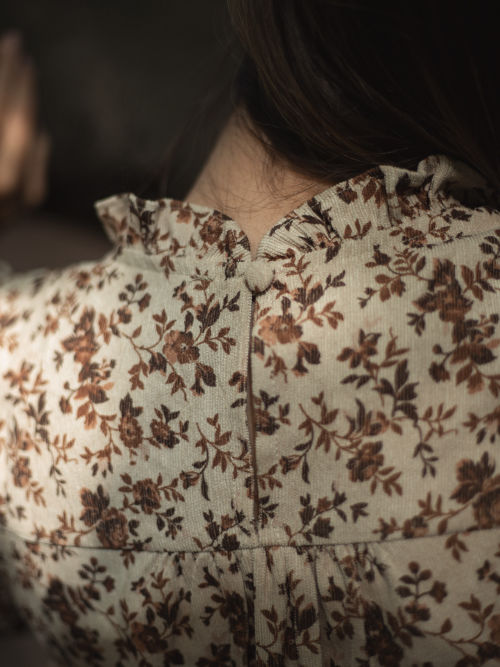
x,y
213,459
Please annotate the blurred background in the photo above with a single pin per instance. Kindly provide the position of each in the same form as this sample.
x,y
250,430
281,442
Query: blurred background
x,y
116,82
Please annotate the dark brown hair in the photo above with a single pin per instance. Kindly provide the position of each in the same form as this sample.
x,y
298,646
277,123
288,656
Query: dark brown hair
x,y
335,88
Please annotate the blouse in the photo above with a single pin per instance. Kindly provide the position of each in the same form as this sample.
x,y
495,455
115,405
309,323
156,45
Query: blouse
x,y
143,521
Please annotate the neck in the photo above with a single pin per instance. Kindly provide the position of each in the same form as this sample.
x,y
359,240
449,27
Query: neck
x,y
238,181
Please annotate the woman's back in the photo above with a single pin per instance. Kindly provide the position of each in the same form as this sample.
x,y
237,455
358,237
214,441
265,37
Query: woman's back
x,y
143,521
142,524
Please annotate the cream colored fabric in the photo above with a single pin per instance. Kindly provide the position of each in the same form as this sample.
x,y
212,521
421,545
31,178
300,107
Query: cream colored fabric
x,y
140,524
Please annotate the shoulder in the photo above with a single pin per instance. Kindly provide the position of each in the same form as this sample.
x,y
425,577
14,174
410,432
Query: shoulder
x,y
36,304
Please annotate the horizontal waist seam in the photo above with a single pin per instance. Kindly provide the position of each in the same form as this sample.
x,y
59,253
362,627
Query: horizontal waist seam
x,y
243,548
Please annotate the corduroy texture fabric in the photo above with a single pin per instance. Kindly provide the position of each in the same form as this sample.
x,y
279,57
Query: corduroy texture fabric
x,y
141,520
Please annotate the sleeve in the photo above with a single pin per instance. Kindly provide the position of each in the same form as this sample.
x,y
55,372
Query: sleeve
x,y
10,621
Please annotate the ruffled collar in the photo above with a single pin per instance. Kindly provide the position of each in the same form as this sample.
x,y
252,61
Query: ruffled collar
x,y
430,205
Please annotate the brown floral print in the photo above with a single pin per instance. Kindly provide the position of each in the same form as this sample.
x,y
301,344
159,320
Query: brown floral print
x,y
198,469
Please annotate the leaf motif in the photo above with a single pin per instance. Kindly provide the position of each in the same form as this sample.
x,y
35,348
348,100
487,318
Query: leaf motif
x,y
464,373
446,626
305,471
467,275
442,525
384,293
204,489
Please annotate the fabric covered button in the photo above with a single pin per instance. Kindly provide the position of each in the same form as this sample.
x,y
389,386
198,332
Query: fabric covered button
x,y
258,275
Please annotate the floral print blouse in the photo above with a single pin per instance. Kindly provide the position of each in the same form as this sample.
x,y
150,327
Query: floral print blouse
x,y
213,460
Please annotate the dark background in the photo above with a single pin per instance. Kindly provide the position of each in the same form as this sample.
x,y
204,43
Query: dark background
x,y
116,82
